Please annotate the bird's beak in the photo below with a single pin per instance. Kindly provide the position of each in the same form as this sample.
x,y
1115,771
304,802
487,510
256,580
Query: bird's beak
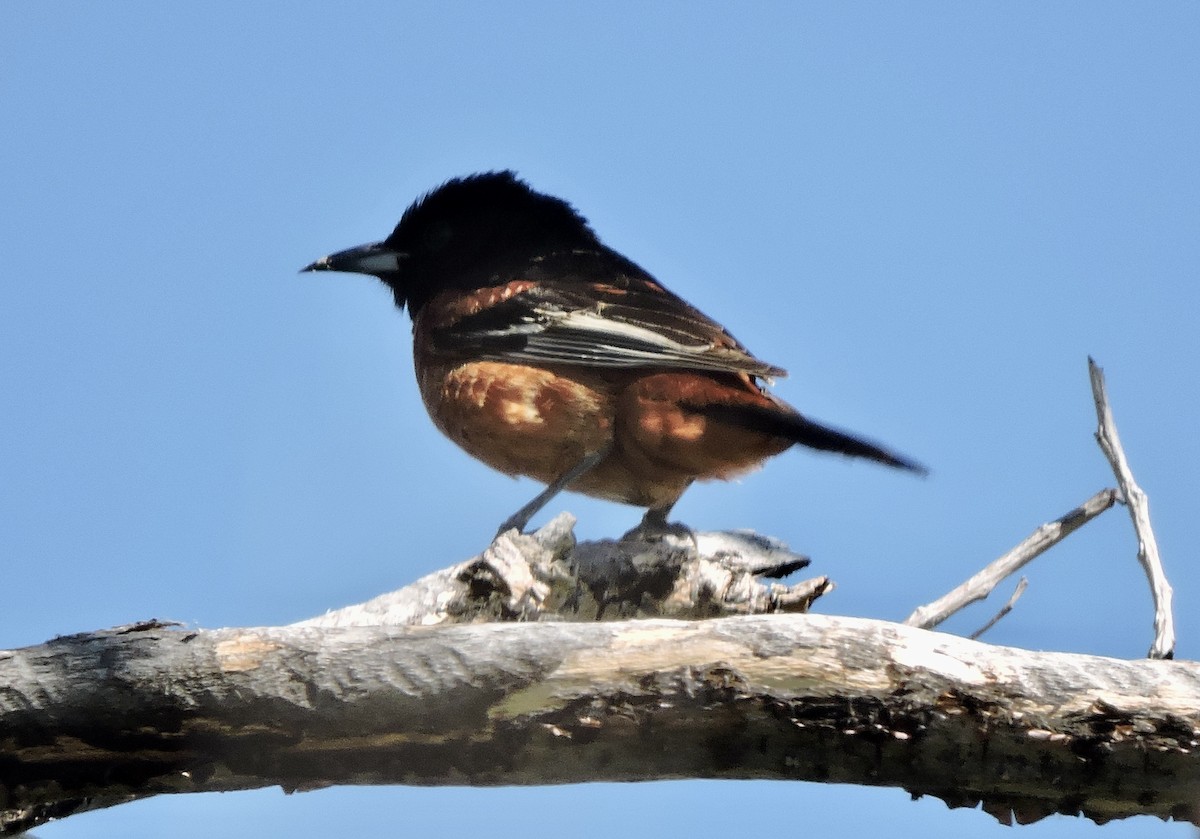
x,y
376,259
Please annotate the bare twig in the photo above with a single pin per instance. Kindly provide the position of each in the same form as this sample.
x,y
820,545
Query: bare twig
x,y
1022,584
982,584
1139,511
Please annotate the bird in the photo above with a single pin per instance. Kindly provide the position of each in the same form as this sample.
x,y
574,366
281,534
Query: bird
x,y
542,352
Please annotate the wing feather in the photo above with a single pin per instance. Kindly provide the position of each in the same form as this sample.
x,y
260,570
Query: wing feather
x,y
579,310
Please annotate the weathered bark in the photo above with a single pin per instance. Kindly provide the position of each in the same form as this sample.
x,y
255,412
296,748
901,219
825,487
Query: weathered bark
x,y
547,576
98,719
93,720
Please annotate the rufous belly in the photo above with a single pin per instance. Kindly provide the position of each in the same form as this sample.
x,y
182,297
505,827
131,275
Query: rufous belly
x,y
540,422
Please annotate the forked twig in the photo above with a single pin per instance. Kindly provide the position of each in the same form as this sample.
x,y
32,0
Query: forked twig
x,y
1049,534
982,584
1139,511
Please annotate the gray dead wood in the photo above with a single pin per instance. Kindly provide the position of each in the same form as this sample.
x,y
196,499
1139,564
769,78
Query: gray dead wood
x,y
1139,512
982,583
93,720
547,576
429,695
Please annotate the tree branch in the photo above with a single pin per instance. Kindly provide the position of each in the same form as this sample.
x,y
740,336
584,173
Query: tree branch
x,y
98,719
546,679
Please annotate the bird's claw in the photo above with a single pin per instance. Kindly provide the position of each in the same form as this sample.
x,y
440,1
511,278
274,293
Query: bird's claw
x,y
654,527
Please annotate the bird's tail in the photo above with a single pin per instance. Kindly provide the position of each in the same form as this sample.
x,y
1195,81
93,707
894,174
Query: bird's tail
x,y
793,426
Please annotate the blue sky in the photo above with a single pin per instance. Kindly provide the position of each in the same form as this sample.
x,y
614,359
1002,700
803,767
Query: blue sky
x,y
929,213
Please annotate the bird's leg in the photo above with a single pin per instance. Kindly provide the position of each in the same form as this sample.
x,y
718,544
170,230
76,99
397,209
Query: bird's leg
x,y
522,516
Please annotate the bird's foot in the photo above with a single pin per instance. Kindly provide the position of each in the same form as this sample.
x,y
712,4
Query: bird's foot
x,y
654,527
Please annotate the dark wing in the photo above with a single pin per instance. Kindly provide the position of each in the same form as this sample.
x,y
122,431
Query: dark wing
x,y
596,308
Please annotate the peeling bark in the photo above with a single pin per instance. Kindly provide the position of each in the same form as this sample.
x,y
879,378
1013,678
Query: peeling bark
x,y
547,576
498,671
93,720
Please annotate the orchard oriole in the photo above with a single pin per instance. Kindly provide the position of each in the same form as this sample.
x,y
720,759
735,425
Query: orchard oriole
x,y
542,352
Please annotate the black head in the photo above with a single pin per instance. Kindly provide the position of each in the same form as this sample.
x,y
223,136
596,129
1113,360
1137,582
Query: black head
x,y
468,233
